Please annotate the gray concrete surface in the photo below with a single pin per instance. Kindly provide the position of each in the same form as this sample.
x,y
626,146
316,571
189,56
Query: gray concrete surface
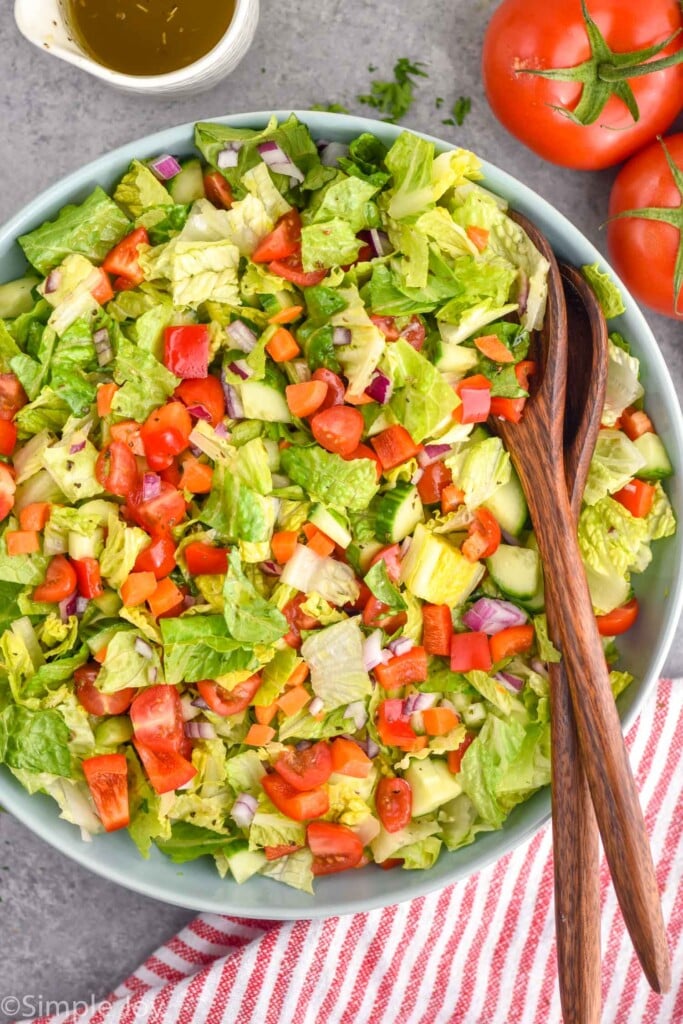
x,y
66,934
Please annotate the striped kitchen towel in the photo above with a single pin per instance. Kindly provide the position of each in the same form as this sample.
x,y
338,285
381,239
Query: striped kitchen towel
x,y
480,952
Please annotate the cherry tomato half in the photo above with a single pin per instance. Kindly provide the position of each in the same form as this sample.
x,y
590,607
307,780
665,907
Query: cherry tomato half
x,y
157,717
338,429
305,769
334,847
60,581
394,803
229,702
116,469
95,702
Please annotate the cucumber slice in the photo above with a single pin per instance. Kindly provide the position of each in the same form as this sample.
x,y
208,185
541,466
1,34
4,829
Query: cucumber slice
x,y
332,524
245,863
109,603
432,784
85,547
452,358
657,463
16,298
398,513
263,400
515,570
188,185
508,505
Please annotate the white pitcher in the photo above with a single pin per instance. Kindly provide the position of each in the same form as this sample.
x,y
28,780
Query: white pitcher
x,y
44,23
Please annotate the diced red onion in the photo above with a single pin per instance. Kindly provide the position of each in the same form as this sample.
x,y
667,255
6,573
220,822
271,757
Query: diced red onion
x,y
523,292
152,674
53,281
510,538
379,388
271,568
233,402
380,242
358,712
189,711
81,605
143,648
200,412
151,486
419,702
405,546
165,167
372,748
67,607
302,370
241,368
417,721
241,336
539,667
304,744
103,347
78,447
341,336
432,453
199,702
220,430
510,682
417,476
316,706
244,809
372,650
401,645
331,152
195,450
189,601
489,616
278,161
200,731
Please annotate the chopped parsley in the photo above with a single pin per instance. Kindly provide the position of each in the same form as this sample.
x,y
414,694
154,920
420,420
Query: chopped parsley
x,y
331,108
394,99
459,111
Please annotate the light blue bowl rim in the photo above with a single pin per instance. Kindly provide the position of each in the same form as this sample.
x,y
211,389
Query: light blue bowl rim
x,y
196,886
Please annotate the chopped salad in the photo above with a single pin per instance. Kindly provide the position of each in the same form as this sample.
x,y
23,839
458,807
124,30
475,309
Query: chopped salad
x,y
269,588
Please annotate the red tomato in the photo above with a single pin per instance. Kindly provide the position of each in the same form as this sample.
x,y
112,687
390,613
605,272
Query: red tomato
x,y
157,717
107,778
484,536
283,850
394,803
292,270
206,393
60,581
535,35
12,396
122,261
314,803
375,616
7,489
432,482
88,577
116,469
94,702
158,514
414,333
158,558
128,433
186,351
305,769
334,847
455,756
391,556
165,434
643,251
335,387
229,702
218,190
618,621
8,437
394,727
166,769
338,429
205,560
283,241
387,325
297,620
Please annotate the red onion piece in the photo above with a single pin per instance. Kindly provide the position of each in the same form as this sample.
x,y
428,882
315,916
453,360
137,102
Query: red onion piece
x,y
372,650
53,281
228,158
152,674
510,538
401,645
220,430
241,336
405,546
522,292
341,336
379,388
199,702
244,809
278,161
241,368
358,712
81,605
539,667
200,412
510,682
164,167
78,447
316,706
200,731
67,607
151,486
143,648
189,711
301,369
271,568
233,402
418,702
417,475
432,453
103,348
372,748
380,242
489,616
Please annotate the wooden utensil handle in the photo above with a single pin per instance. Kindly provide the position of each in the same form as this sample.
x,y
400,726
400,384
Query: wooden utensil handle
x,y
605,760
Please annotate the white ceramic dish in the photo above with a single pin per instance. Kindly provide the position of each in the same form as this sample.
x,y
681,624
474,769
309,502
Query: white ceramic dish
x,y
43,22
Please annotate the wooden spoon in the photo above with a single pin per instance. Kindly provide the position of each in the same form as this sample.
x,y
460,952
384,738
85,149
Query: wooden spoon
x,y
536,448
575,833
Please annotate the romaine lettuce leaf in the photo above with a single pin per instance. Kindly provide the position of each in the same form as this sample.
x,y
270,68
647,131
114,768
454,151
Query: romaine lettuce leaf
x,y
410,161
122,547
607,293
479,469
623,386
335,657
422,399
125,666
616,460
330,479
296,869
35,741
331,244
145,383
139,189
347,199
250,618
200,647
377,579
187,842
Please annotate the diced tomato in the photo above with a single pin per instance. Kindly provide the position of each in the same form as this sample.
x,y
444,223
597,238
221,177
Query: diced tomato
x,y
305,398
186,351
283,850
102,291
513,640
283,545
635,423
206,560
338,429
349,759
394,446
107,778
89,577
218,190
376,615
403,669
8,488
391,556
335,387
165,434
437,629
171,474
167,599
35,515
229,702
484,536
334,847
158,557
494,349
478,236
432,482
122,284
292,270
618,621
470,652
122,260
414,333
314,803
439,721
160,514
197,476
166,770
128,433
363,452
297,620
475,395
12,396
387,325
137,588
95,702
305,769
451,498
637,497
283,241
455,756
22,542
394,803
116,469
394,727
8,437
60,581
390,863
512,409
157,717
203,393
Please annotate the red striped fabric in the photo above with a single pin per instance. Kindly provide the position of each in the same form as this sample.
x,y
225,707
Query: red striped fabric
x,y
479,952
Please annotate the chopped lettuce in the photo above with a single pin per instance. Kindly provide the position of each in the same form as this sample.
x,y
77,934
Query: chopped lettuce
x,y
616,460
605,289
139,190
200,647
250,618
335,657
145,382
330,479
623,386
331,244
479,469
422,400
125,664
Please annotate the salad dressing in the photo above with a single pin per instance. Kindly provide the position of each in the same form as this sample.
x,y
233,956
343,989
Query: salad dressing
x,y
148,37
